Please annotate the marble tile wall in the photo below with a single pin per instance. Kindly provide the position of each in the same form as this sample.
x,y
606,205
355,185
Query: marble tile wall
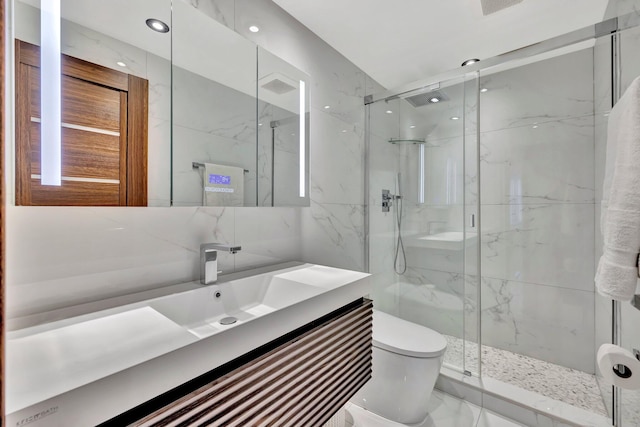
x,y
63,256
538,210
538,169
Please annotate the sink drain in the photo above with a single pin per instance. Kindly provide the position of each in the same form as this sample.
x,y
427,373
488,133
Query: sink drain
x,y
228,320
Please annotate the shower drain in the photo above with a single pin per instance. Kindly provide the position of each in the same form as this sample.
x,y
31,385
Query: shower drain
x,y
228,320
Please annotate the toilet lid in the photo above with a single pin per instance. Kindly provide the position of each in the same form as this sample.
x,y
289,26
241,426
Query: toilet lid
x,y
407,338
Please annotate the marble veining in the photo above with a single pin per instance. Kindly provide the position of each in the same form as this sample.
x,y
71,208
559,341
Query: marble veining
x,y
557,382
334,233
547,244
444,411
549,162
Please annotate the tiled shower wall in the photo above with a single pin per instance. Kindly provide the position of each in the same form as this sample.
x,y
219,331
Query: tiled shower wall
x,y
60,256
537,192
537,169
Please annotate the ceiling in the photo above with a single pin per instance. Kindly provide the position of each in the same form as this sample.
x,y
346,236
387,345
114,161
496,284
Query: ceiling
x,y
401,41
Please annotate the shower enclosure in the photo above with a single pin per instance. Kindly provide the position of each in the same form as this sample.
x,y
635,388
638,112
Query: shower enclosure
x,y
483,193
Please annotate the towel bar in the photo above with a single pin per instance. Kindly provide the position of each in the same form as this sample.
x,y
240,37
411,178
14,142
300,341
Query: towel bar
x,y
197,165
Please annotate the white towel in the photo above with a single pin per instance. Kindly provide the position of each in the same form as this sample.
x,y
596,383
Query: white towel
x,y
617,274
223,185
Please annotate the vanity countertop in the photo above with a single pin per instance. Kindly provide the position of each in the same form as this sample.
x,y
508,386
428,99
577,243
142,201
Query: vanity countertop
x,y
115,358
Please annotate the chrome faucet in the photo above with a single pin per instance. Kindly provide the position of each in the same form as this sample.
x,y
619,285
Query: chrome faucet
x,y
209,260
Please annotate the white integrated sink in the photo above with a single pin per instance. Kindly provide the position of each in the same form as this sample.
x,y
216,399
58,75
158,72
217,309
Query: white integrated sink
x,y
448,240
124,355
243,299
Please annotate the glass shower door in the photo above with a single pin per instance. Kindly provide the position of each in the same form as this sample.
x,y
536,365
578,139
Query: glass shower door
x,y
422,163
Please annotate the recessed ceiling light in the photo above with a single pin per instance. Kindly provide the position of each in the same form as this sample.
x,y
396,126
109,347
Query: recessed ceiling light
x,y
122,64
157,25
389,112
483,90
326,107
344,131
254,28
412,127
455,118
535,126
434,100
470,61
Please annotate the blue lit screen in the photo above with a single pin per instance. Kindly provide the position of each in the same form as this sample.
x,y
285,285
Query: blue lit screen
x,y
219,179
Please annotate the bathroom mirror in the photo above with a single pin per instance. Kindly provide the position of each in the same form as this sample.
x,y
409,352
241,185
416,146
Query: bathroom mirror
x,y
115,98
236,119
283,132
207,100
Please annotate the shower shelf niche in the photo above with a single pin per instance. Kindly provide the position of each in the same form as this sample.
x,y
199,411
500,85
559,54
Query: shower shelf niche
x,y
447,240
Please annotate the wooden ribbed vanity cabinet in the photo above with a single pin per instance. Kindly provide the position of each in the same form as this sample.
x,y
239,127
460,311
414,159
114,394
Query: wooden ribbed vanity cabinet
x,y
301,379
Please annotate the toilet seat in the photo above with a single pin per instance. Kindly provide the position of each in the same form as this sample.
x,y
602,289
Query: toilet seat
x,y
406,338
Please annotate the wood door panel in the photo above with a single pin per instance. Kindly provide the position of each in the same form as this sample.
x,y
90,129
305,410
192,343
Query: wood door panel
x,y
104,134
30,54
84,103
72,193
84,154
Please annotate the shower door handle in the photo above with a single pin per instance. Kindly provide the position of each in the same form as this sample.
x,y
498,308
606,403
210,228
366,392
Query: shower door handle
x,y
472,220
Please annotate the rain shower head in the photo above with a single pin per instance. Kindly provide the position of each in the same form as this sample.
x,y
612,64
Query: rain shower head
x,y
428,98
399,141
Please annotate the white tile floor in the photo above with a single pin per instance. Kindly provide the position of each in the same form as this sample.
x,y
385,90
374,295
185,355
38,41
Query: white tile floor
x,y
444,411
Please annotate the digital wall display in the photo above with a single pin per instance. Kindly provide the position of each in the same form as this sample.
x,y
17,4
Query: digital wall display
x,y
219,179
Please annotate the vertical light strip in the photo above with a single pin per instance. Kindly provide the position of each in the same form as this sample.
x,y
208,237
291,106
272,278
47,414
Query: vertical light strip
x,y
421,183
50,97
303,134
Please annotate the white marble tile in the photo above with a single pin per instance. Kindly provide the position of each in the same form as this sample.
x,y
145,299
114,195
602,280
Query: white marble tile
x,y
86,254
434,299
191,145
544,322
600,153
222,11
159,75
532,409
551,244
335,80
89,45
267,236
602,74
334,235
444,411
543,91
490,419
551,163
82,42
159,160
337,160
630,65
197,105
382,124
434,259
448,411
459,389
372,86
444,172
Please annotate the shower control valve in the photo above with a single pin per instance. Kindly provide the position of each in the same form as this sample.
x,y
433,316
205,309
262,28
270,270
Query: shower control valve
x,y
387,200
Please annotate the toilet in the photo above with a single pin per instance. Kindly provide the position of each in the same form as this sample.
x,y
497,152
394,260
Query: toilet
x,y
407,358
